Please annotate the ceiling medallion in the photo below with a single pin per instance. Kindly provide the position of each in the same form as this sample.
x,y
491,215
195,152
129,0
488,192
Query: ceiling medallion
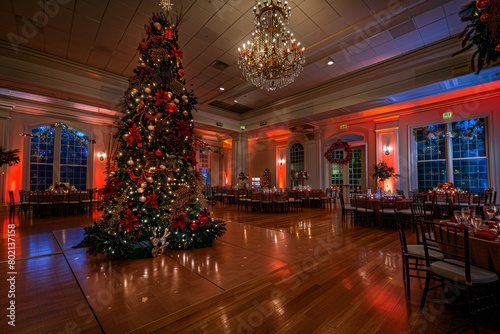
x,y
273,59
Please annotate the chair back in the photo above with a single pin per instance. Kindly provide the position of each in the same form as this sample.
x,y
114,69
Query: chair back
x,y
341,198
463,198
388,204
452,242
440,198
418,198
11,197
417,210
43,197
401,232
361,202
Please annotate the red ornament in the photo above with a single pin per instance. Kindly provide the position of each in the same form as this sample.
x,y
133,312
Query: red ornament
x,y
169,34
193,226
158,153
484,17
497,48
171,108
482,4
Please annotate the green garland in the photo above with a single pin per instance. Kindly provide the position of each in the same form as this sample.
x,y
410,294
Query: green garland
x,y
483,32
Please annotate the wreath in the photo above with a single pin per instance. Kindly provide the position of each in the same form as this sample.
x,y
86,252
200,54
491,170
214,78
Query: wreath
x,y
339,144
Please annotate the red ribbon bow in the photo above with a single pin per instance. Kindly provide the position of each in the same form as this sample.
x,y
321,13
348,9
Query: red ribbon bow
x,y
152,200
176,53
161,97
134,135
179,222
129,221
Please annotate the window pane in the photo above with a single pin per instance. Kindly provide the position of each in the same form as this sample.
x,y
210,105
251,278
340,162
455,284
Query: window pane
x,y
471,174
430,173
74,153
469,155
355,168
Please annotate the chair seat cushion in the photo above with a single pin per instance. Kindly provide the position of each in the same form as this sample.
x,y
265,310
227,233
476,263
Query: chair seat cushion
x,y
405,212
453,270
418,251
364,210
388,211
348,207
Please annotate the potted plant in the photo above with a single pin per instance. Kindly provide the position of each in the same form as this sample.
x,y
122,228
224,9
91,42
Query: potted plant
x,y
382,172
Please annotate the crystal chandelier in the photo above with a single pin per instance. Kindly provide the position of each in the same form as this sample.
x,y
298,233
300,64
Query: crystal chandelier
x,y
273,59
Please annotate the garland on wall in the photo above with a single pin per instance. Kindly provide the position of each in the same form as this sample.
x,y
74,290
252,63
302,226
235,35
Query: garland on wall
x,y
51,128
483,32
339,144
470,132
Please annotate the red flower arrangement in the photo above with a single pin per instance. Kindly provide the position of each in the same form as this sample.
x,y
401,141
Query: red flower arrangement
x,y
339,144
383,172
301,175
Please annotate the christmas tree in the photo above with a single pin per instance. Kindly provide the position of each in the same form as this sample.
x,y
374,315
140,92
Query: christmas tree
x,y
154,197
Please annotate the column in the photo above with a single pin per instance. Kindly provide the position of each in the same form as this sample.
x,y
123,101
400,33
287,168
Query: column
x,y
313,162
239,162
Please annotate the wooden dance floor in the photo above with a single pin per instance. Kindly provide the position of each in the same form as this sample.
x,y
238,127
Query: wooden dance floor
x,y
300,272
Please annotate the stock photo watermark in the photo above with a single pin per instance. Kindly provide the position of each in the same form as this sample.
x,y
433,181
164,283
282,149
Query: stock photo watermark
x,y
31,27
11,274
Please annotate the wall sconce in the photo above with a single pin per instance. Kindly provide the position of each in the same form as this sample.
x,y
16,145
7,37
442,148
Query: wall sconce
x,y
281,162
101,155
387,150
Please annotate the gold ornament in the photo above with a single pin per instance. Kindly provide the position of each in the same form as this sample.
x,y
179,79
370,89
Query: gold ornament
x,y
157,26
185,113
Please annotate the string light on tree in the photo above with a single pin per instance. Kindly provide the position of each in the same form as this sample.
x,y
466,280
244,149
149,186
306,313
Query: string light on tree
x,y
152,199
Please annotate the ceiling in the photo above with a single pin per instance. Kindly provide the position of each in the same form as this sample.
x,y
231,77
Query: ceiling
x,y
357,34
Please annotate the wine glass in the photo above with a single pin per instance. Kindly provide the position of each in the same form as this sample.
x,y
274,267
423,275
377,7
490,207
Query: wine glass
x,y
476,223
465,213
490,211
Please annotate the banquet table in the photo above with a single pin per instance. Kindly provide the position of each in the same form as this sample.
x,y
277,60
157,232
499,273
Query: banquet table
x,y
485,254
57,203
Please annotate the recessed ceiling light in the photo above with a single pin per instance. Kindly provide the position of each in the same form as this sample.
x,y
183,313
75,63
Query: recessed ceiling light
x,y
330,62
221,88
235,101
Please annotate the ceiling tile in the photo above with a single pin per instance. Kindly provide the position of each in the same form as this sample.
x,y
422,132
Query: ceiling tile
x,y
379,39
389,46
94,12
402,29
429,17
351,11
453,7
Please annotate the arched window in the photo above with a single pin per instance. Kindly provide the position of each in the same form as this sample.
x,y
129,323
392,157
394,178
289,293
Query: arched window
x,y
296,158
58,154
296,162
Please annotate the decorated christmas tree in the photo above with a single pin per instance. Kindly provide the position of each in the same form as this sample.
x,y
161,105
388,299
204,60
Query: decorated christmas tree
x,y
154,197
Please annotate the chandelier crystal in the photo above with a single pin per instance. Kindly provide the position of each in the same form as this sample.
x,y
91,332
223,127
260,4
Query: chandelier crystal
x,y
273,59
